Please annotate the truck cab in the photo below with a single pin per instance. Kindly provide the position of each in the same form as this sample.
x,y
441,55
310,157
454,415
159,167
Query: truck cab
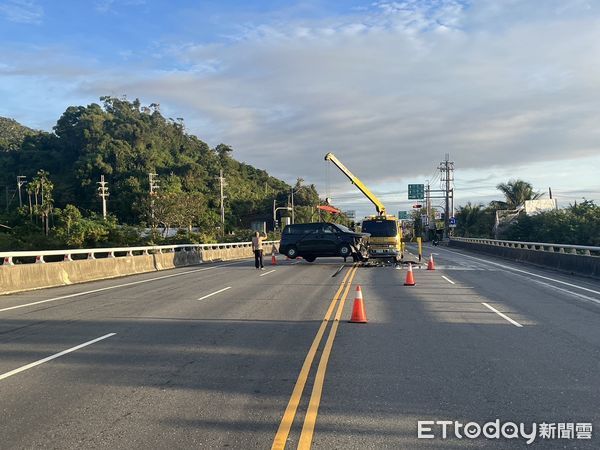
x,y
385,243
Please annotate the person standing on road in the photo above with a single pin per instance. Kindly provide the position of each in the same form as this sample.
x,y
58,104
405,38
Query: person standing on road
x,y
257,248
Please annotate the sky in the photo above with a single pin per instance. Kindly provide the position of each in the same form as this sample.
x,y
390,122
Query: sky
x,y
510,89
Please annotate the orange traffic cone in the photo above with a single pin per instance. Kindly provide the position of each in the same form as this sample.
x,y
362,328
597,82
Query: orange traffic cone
x,y
358,310
430,263
273,259
410,279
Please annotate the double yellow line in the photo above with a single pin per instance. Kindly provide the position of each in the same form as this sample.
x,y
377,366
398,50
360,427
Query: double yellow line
x,y
313,407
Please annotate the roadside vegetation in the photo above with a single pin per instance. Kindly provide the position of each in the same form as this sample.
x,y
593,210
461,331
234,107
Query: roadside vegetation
x,y
577,224
126,141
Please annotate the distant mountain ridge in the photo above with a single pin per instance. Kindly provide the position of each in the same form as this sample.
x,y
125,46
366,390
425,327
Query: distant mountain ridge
x,y
130,144
12,134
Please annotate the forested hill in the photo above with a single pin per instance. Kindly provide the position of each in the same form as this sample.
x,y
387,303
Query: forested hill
x,y
12,134
125,141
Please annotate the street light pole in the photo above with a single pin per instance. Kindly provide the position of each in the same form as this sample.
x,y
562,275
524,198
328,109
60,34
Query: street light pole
x,y
275,209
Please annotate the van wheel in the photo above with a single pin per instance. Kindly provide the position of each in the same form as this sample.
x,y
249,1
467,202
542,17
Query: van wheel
x,y
345,250
310,258
292,252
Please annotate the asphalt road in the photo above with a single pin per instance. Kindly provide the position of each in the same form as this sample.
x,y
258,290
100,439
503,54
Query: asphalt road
x,y
224,356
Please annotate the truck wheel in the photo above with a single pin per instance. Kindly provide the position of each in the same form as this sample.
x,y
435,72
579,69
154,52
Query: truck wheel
x,y
310,258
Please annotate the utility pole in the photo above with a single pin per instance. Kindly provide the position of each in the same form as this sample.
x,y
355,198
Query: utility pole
x,y
446,168
154,185
427,211
20,182
292,204
103,193
223,197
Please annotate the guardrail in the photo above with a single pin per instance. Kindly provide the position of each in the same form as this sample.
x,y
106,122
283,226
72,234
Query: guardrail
x,y
583,250
21,271
573,259
39,257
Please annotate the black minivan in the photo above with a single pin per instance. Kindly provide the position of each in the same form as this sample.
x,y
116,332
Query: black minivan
x,y
311,240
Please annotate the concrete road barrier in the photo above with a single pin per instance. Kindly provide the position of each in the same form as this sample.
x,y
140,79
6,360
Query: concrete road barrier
x,y
16,276
575,259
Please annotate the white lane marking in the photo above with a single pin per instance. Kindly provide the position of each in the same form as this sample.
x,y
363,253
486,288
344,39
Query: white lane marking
x,y
79,294
267,273
575,294
57,355
528,273
448,280
215,293
504,316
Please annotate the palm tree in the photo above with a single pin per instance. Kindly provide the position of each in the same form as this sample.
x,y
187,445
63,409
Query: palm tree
x,y
517,192
470,219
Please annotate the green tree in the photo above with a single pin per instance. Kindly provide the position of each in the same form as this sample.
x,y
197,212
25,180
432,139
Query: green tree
x,y
12,134
578,224
74,230
516,192
474,220
40,189
124,141
67,219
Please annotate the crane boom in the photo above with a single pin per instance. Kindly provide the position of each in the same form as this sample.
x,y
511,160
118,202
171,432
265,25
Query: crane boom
x,y
356,181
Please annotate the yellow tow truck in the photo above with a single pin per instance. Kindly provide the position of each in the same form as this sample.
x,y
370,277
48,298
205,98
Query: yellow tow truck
x,y
385,244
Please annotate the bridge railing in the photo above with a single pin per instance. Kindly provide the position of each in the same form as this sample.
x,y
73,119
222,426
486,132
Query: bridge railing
x,y
537,246
44,256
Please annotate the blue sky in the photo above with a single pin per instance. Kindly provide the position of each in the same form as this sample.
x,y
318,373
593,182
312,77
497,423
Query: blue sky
x,y
509,88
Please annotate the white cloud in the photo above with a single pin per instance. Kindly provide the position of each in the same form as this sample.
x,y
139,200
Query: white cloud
x,y
390,90
22,11
106,6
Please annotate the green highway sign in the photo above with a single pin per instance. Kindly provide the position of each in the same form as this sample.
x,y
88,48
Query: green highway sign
x,y
416,191
403,215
